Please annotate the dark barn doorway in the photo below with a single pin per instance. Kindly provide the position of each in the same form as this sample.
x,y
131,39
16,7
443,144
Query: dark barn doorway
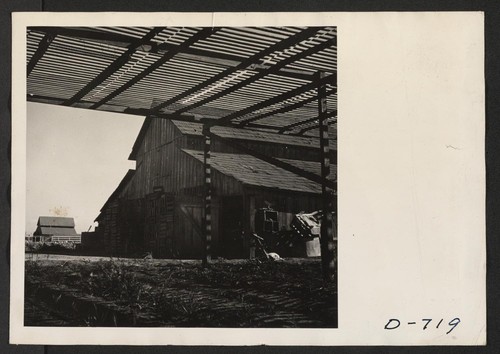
x,y
232,241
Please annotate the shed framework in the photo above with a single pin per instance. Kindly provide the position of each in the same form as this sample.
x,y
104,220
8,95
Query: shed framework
x,y
274,79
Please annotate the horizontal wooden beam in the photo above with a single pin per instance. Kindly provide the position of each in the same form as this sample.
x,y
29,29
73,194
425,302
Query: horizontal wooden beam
x,y
302,131
143,112
283,109
202,34
147,46
292,40
271,70
40,51
231,61
330,79
274,161
298,124
87,33
114,66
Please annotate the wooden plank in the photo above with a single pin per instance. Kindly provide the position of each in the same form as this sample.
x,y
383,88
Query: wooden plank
x,y
87,33
327,226
271,70
243,65
114,66
273,100
40,51
229,60
204,33
191,219
284,109
314,126
330,114
207,221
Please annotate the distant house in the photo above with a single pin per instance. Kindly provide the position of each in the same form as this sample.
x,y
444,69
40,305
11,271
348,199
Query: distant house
x,y
159,207
56,229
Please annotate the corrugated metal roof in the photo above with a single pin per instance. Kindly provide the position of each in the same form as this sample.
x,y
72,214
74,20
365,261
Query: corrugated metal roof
x,y
57,231
254,172
56,221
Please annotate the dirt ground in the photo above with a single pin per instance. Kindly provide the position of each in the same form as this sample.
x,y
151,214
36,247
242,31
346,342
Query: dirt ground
x,y
98,291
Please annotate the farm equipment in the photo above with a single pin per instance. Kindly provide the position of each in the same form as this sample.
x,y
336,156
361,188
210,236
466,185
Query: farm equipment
x,y
269,238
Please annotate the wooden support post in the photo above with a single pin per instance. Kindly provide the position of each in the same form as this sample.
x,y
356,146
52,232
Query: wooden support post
x,y
327,225
207,221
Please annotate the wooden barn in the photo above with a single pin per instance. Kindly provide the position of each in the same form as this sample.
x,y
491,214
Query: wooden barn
x,y
56,229
159,207
237,118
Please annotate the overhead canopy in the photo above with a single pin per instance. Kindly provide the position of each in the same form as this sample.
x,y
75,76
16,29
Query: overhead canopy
x,y
260,78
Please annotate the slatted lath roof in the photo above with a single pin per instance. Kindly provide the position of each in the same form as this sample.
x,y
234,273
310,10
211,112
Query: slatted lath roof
x,y
265,78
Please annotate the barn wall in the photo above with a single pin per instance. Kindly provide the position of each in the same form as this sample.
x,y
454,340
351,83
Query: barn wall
x,y
160,162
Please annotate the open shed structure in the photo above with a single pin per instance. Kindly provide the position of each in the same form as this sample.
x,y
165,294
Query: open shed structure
x,y
266,79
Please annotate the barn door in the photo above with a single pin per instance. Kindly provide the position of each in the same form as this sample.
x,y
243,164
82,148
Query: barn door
x,y
159,225
232,243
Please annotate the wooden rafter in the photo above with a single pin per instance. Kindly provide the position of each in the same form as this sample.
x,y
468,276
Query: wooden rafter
x,y
114,66
87,33
148,46
284,109
87,60
292,40
332,79
271,70
42,48
315,126
202,34
229,60
330,114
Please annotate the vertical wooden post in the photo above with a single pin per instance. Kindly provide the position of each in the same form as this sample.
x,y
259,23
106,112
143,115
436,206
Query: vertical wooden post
x,y
207,221
327,225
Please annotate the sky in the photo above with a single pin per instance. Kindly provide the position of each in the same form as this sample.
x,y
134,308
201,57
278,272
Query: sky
x,y
75,160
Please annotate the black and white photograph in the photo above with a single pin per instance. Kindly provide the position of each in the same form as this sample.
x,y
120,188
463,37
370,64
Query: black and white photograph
x,y
289,179
181,177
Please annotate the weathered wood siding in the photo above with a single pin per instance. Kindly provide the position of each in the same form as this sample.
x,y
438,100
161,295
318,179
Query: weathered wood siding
x,y
160,162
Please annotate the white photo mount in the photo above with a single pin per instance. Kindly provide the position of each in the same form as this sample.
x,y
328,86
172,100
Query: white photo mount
x,y
411,201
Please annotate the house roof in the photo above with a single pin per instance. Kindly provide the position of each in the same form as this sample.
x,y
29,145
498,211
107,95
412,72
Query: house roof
x,y
57,231
254,172
56,221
